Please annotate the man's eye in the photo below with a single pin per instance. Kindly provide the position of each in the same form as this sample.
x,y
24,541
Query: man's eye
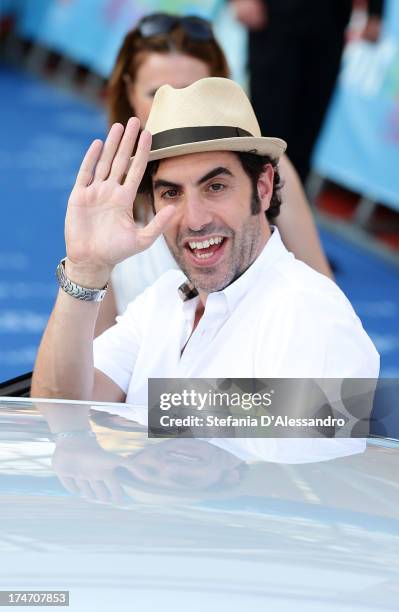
x,y
216,187
170,193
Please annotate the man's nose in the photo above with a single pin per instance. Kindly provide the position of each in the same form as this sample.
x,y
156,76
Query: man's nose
x,y
196,212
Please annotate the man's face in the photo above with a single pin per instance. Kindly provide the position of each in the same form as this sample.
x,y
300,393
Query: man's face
x,y
185,464
214,237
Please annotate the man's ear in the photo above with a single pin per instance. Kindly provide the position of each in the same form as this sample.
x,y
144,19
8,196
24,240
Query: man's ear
x,y
265,186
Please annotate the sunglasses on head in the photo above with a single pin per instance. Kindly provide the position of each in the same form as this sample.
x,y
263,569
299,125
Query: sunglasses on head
x,y
196,28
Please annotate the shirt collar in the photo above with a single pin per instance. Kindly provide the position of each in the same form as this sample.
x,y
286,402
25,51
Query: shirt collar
x,y
273,250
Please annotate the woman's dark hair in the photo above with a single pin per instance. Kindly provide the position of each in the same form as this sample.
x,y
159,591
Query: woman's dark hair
x,y
253,166
133,52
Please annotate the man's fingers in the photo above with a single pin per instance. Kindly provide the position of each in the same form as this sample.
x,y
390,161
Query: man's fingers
x,y
122,157
108,153
140,160
156,226
85,488
86,170
100,490
69,484
116,492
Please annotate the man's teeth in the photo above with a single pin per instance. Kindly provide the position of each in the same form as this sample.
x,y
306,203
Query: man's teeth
x,y
204,255
206,244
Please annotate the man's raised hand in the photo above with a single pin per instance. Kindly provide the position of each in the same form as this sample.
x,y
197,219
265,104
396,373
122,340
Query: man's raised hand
x,y
99,228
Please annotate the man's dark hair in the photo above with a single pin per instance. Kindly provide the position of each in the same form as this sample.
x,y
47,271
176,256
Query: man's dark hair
x,y
253,166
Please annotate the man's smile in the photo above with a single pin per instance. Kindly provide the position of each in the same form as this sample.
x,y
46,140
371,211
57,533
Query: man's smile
x,y
205,252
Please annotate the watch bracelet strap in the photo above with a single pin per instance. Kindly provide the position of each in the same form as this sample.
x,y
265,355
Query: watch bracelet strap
x,y
77,291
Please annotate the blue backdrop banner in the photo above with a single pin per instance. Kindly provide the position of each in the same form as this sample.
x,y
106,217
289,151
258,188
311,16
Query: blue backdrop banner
x,y
359,145
31,17
90,32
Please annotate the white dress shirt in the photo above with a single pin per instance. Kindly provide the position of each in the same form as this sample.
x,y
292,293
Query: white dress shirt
x,y
132,276
279,319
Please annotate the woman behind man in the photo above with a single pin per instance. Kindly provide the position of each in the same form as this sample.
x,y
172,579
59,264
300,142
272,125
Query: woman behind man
x,y
164,49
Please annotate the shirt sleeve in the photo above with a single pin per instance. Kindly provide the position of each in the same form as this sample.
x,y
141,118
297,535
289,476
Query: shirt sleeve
x,y
350,353
115,351
316,336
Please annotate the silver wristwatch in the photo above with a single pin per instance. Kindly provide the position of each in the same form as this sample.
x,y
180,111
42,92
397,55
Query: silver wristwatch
x,y
75,290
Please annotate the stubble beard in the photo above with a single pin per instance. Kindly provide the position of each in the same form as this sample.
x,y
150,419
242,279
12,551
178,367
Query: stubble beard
x,y
243,246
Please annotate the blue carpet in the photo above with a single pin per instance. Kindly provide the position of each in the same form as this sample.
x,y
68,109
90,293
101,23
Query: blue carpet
x,y
44,136
45,133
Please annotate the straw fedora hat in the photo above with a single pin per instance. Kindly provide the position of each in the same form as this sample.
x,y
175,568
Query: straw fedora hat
x,y
212,114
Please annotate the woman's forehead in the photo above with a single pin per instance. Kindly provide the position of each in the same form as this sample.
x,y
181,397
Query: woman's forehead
x,y
176,69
